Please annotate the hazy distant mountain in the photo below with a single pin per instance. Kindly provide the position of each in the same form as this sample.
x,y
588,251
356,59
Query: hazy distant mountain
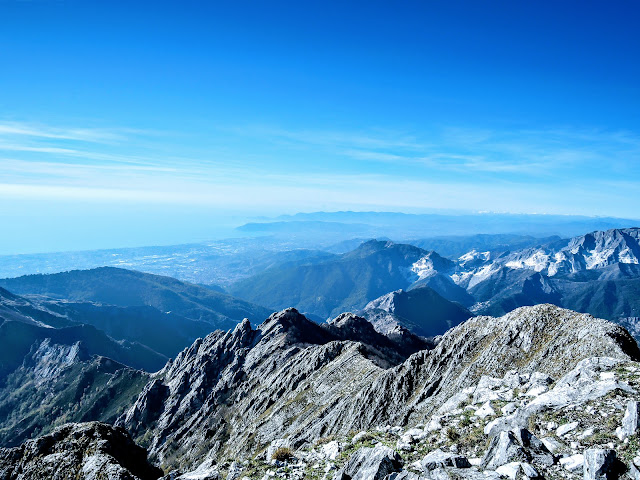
x,y
219,262
597,273
267,242
456,246
421,310
402,226
127,288
308,227
346,282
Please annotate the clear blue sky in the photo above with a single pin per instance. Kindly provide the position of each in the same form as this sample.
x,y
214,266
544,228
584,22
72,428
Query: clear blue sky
x,y
127,123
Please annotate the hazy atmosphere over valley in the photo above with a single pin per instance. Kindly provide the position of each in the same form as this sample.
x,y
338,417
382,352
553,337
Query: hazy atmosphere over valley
x,y
319,240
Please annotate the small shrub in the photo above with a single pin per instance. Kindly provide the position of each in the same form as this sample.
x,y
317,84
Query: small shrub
x,y
452,434
282,454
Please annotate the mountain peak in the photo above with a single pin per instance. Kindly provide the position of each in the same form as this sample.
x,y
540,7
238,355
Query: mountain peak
x,y
294,327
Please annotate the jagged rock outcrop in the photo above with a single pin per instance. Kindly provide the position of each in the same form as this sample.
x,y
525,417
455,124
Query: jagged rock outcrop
x,y
572,438
395,344
58,384
236,392
92,451
239,390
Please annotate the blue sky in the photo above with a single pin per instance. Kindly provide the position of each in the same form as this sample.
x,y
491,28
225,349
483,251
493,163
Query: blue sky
x,y
129,123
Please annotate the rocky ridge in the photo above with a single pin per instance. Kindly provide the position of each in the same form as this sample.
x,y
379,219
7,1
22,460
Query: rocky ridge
x,y
583,425
232,394
59,383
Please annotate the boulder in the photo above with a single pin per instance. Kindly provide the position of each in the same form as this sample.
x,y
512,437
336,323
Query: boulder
x,y
599,464
630,420
207,470
518,445
440,459
572,463
511,470
566,428
370,464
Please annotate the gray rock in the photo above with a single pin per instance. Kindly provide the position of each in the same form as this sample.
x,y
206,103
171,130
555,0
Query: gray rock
x,y
440,459
235,471
599,464
633,472
573,463
551,443
275,445
566,428
630,419
518,445
231,393
511,470
207,470
580,385
370,464
406,475
92,451
503,449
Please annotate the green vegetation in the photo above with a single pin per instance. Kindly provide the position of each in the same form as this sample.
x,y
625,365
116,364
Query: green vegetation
x,y
452,434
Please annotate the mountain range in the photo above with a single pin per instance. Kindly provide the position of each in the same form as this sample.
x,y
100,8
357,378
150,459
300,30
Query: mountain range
x,y
418,382
137,319
596,273
325,395
308,399
265,242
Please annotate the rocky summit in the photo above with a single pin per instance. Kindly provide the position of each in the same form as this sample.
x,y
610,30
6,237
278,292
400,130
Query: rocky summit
x,y
541,392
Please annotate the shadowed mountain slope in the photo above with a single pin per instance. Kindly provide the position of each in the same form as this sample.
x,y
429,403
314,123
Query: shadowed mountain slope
x,y
421,310
127,288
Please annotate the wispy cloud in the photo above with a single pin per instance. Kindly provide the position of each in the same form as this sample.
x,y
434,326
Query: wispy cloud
x,y
22,129
542,153
555,170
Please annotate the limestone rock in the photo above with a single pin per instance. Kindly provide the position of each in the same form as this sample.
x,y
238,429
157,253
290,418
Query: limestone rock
x,y
440,459
518,445
630,419
599,464
370,464
573,463
92,451
233,393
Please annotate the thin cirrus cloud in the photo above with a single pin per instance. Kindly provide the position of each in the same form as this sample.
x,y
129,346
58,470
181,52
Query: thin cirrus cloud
x,y
382,168
44,131
466,150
